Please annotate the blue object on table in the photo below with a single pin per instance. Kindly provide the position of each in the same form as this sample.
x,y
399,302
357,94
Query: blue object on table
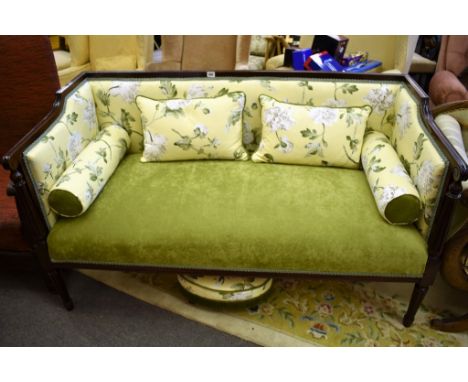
x,y
299,57
363,67
323,61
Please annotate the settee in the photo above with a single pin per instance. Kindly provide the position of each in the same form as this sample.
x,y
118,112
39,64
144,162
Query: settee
x,y
237,217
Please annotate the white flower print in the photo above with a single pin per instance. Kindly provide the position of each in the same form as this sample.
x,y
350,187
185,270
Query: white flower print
x,y
89,194
425,177
74,145
324,115
59,160
47,168
381,99
154,147
126,90
197,91
78,98
278,118
403,119
389,193
89,115
200,130
215,142
175,104
285,145
314,148
335,102
364,161
241,102
400,171
93,167
354,118
238,296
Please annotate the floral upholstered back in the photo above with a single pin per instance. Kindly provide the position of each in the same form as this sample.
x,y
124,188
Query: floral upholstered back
x,y
60,144
394,112
115,100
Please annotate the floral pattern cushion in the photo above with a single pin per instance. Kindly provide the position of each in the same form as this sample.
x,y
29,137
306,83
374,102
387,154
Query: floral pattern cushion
x,y
394,192
115,100
225,288
81,183
419,155
301,134
258,45
452,130
202,128
256,63
50,155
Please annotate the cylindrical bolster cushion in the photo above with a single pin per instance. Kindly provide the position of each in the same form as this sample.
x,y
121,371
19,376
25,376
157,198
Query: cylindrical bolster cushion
x,y
84,179
452,130
394,192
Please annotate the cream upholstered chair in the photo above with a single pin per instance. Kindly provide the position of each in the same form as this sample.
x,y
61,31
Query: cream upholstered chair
x,y
95,53
395,52
227,52
258,49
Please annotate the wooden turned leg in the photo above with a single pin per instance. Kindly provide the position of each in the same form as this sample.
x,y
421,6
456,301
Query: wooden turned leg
x,y
61,289
416,299
49,282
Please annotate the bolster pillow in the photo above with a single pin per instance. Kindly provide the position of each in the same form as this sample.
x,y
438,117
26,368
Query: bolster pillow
x,y
394,192
84,179
452,130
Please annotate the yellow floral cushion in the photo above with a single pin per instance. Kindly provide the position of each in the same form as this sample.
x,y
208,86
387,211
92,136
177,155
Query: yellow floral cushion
x,y
84,179
225,288
394,192
54,151
419,154
184,129
452,130
303,134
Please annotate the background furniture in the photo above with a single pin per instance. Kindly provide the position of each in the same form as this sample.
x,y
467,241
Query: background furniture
x,y
455,258
90,53
29,81
395,52
203,53
424,61
450,81
258,50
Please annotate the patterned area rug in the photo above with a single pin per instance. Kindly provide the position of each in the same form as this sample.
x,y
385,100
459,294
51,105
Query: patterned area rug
x,y
296,312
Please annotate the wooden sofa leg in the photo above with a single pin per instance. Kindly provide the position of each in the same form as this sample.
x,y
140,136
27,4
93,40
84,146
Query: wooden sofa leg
x,y
416,299
49,282
61,289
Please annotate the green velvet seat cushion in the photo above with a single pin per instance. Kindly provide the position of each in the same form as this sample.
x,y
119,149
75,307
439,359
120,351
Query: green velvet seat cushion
x,y
239,216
